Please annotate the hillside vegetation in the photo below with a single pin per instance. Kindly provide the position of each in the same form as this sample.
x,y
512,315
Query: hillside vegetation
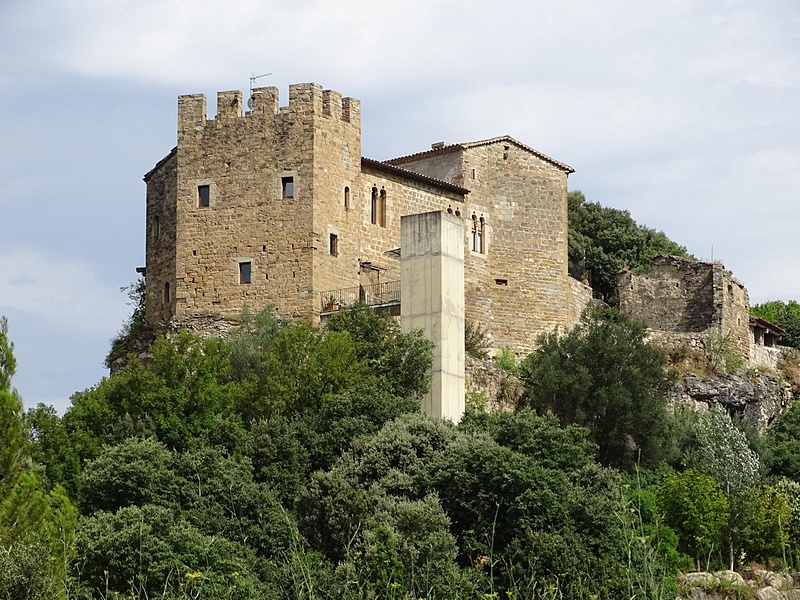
x,y
293,462
603,241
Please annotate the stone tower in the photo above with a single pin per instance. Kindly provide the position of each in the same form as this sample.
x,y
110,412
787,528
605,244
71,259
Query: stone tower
x,y
230,211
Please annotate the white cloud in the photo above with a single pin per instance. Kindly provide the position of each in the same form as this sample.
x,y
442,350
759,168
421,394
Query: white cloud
x,y
62,294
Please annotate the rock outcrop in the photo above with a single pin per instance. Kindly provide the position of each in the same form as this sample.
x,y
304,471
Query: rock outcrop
x,y
759,396
752,583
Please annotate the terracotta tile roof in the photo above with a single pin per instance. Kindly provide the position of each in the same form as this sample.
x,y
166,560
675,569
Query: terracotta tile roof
x,y
446,149
405,173
764,324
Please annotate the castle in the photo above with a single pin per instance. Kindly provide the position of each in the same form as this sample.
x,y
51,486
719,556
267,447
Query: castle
x,y
277,205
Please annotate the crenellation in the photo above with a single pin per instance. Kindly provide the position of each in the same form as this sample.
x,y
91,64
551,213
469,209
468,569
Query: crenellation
x,y
332,104
229,105
264,101
251,189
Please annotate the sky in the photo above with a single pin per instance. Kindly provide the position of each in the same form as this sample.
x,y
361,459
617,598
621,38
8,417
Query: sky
x,y
686,113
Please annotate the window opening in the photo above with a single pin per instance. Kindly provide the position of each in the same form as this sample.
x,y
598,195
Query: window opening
x,y
501,281
478,234
373,214
245,272
333,245
287,187
204,195
166,292
346,198
382,208
157,227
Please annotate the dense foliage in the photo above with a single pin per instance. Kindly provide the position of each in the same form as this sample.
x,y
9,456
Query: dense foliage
x,y
603,376
603,241
288,461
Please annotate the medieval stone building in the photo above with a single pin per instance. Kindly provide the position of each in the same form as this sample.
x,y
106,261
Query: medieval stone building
x,y
277,205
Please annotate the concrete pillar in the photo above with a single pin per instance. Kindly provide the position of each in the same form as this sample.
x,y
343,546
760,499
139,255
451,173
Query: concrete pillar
x,y
432,299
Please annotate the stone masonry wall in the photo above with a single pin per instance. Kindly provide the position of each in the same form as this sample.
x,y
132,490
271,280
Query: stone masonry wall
x,y
243,160
161,239
581,297
519,286
680,296
676,295
360,240
732,310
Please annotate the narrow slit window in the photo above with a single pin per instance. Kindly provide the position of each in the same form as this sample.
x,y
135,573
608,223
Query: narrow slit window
x,y
157,227
346,198
204,195
245,272
287,187
166,292
333,245
373,218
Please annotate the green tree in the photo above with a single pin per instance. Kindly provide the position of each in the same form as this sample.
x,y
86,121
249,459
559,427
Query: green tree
x,y
716,447
402,361
135,335
602,375
782,444
603,241
694,506
785,315
36,524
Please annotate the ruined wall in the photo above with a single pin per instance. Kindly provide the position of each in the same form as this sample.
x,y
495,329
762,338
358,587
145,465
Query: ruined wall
x,y
676,295
732,310
682,297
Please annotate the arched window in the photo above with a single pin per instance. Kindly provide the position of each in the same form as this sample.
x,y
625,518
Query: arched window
x,y
382,208
449,210
166,292
346,198
373,214
477,240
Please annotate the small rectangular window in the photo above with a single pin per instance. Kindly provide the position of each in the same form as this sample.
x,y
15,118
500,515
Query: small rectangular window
x,y
333,247
501,281
287,185
245,272
203,195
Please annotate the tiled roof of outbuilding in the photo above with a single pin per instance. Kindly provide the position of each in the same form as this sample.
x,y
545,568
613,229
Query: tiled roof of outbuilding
x,y
446,149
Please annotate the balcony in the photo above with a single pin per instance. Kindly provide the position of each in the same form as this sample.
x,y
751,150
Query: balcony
x,y
378,295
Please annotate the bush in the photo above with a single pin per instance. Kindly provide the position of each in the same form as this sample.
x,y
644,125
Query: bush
x,y
604,376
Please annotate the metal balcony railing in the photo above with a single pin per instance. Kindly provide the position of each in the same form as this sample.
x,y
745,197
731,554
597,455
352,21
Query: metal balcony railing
x,y
375,294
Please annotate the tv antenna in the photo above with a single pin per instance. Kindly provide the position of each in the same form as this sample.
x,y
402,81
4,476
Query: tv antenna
x,y
252,81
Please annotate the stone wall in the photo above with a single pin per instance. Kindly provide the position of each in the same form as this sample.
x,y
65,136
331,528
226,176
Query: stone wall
x,y
319,237
518,286
676,295
681,296
581,297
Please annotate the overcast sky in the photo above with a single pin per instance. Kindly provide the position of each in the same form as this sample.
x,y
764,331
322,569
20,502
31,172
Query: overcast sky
x,y
686,113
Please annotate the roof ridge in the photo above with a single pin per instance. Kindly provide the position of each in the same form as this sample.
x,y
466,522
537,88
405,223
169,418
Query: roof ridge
x,y
447,148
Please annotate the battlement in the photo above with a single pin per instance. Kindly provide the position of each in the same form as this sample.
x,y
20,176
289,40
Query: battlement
x,y
304,99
